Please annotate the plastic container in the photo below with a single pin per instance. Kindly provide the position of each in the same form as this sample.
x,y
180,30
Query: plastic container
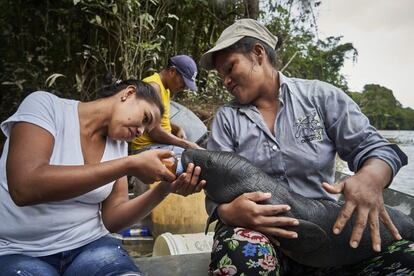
x,y
169,244
179,215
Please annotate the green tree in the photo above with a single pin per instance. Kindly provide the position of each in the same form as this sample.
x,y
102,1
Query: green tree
x,y
67,46
378,104
301,53
383,110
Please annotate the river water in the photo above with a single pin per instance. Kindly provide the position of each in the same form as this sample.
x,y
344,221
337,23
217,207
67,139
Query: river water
x,y
404,181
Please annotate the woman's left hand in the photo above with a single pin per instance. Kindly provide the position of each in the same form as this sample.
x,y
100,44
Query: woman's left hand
x,y
187,183
363,194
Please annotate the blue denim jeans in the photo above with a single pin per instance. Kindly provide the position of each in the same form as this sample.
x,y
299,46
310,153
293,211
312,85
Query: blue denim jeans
x,y
105,256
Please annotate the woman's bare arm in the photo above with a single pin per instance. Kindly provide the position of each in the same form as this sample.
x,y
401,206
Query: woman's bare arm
x,y
118,212
32,180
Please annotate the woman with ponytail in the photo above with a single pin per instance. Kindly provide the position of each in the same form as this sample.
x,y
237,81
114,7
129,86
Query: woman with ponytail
x,y
63,181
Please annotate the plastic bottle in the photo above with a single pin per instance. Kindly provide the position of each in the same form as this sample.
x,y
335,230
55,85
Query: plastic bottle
x,y
179,167
136,232
174,165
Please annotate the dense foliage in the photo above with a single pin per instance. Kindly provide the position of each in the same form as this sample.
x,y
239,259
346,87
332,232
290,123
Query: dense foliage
x,y
67,46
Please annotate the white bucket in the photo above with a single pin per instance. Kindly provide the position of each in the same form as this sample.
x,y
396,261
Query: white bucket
x,y
169,244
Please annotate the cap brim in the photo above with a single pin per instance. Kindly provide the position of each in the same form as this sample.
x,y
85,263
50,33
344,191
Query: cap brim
x,y
190,84
206,60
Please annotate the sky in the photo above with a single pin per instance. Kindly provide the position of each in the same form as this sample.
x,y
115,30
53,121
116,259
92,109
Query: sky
x,y
383,33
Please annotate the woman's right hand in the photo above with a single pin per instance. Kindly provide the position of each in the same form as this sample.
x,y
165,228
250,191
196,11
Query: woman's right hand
x,y
148,166
244,211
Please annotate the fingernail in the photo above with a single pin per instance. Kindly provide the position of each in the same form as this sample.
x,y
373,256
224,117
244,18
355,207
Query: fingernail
x,y
294,235
377,247
354,244
336,231
268,194
287,208
399,237
296,222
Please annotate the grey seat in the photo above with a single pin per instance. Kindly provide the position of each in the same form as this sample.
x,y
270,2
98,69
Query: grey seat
x,y
194,128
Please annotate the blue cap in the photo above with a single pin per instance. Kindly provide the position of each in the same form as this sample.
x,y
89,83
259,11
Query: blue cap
x,y
187,68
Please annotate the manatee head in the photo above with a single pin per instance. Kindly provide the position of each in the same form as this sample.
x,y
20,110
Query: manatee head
x,y
223,171
211,164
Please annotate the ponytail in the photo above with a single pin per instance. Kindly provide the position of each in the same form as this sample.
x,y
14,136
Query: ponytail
x,y
143,90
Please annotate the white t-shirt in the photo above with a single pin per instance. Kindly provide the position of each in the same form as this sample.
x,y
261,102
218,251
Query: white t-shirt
x,y
49,228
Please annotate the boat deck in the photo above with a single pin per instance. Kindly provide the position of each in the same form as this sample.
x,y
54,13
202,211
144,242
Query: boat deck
x,y
188,264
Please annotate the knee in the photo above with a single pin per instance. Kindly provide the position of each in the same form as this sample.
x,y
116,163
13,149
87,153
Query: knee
x,y
106,253
22,265
242,243
240,250
109,259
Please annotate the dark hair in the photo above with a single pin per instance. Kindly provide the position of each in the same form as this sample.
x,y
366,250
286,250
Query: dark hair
x,y
170,63
245,46
143,90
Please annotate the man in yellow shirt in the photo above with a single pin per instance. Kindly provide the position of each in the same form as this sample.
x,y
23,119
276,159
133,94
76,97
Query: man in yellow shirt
x,y
180,74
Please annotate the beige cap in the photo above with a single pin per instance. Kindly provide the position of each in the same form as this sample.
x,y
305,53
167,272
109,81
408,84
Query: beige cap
x,y
241,28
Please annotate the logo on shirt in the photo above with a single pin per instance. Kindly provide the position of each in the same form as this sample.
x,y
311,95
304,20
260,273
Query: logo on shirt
x,y
308,128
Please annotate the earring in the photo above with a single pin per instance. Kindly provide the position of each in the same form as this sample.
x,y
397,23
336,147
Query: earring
x,y
123,98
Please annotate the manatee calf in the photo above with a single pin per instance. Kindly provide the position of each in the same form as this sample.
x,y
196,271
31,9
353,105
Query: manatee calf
x,y
229,175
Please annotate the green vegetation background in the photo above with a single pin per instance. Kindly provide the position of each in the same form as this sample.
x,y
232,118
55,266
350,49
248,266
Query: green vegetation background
x,y
66,47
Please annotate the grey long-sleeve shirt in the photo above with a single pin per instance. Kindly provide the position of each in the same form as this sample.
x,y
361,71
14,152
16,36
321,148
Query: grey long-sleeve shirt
x,y
315,121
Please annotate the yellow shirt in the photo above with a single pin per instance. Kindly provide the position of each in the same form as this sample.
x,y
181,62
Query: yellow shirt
x,y
145,140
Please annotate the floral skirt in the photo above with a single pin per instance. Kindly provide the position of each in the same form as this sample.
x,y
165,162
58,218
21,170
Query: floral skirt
x,y
240,251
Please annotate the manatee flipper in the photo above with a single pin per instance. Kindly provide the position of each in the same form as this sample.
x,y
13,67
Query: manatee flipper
x,y
310,238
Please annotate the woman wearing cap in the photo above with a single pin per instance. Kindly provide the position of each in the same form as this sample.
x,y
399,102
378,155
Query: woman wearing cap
x,y
292,129
179,75
63,184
